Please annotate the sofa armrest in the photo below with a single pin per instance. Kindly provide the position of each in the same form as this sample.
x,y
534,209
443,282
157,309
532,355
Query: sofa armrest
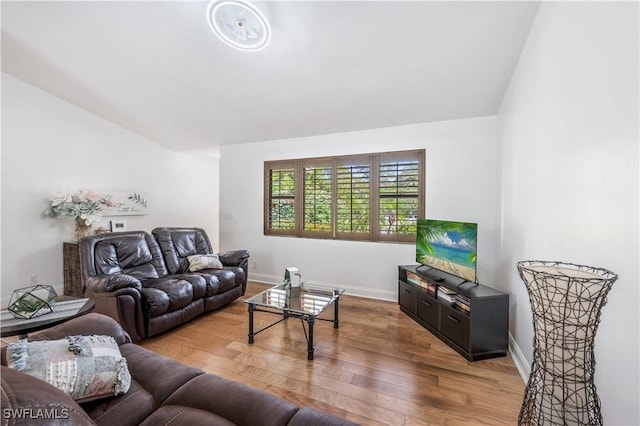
x,y
92,323
234,257
110,283
118,296
24,398
125,306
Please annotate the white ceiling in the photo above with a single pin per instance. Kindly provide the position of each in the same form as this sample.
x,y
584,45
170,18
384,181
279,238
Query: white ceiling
x,y
155,67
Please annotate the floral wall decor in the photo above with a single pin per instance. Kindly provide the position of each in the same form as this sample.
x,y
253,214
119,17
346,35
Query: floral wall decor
x,y
86,207
126,203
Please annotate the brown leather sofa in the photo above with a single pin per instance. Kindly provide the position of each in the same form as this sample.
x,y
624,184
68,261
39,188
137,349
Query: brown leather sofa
x,y
162,392
145,284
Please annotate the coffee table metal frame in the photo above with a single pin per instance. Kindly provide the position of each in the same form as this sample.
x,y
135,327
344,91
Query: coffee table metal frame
x,y
288,305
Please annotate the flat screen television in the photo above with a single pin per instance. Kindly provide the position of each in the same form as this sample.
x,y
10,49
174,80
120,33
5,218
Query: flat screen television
x,y
448,246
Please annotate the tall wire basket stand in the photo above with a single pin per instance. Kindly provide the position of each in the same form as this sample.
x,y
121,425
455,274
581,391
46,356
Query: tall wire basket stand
x,y
566,301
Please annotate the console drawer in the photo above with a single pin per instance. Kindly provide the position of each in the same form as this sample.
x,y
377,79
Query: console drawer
x,y
428,309
407,296
455,326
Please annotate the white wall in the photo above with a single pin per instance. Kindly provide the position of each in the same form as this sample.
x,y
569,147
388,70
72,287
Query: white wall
x,y
568,129
49,145
461,184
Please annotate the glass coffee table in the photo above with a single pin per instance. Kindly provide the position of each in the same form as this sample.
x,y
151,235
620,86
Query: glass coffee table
x,y
303,303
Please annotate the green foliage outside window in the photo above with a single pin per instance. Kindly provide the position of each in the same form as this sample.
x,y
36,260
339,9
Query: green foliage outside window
x,y
353,198
340,197
282,209
317,199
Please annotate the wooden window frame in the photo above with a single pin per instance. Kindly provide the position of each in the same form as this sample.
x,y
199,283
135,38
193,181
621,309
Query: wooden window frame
x,y
373,160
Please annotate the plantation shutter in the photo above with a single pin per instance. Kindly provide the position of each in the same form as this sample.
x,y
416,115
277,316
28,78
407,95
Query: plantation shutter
x,y
375,197
318,204
353,198
281,192
400,178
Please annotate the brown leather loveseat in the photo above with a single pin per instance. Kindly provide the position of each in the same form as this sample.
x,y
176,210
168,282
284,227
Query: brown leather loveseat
x,y
144,280
162,392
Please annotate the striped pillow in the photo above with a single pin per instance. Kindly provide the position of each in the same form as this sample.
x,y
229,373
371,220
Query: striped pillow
x,y
83,367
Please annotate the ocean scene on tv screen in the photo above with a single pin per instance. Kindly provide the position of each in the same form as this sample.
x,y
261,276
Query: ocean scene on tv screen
x,y
448,246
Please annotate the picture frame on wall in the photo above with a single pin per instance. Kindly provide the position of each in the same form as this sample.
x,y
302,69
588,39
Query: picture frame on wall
x,y
118,225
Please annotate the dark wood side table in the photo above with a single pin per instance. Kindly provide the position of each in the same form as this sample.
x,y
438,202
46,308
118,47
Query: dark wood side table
x,y
71,269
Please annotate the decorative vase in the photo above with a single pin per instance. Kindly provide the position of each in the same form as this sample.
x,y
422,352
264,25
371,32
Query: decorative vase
x,y
31,302
82,229
566,302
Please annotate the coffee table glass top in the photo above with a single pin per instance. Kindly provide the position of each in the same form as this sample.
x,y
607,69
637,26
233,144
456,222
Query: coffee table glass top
x,y
309,301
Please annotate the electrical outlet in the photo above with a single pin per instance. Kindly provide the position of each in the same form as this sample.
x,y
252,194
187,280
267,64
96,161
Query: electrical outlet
x,y
255,264
33,279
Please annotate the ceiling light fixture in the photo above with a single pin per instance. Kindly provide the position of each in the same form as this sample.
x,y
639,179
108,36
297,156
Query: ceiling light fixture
x,y
239,24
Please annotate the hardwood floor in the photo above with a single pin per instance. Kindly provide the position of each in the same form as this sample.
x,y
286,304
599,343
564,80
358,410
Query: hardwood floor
x,y
378,368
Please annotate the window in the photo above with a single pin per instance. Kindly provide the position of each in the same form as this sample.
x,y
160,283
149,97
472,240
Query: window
x,y
353,198
399,196
317,184
376,197
281,208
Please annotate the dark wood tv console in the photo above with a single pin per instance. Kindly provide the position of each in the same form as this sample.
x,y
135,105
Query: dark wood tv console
x,y
476,326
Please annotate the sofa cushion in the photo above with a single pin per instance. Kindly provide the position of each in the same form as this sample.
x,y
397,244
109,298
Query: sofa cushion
x,y
225,278
136,254
84,367
239,273
213,283
198,282
221,299
129,409
166,295
169,320
24,395
198,262
177,244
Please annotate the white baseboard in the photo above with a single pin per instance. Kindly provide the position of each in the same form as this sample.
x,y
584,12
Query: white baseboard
x,y
391,296
521,363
